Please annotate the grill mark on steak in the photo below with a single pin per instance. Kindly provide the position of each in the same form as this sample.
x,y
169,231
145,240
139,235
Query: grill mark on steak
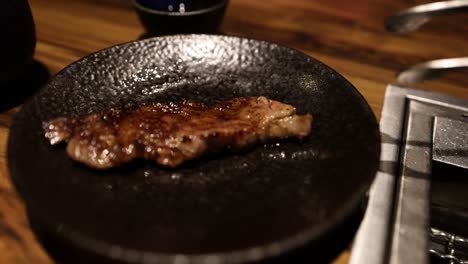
x,y
173,133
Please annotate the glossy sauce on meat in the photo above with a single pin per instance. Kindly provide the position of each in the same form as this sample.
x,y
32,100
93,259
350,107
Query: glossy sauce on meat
x,y
173,133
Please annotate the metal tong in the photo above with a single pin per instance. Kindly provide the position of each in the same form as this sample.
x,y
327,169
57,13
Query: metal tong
x,y
413,18
432,69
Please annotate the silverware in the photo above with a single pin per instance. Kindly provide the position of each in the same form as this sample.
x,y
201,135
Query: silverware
x,y
432,69
413,18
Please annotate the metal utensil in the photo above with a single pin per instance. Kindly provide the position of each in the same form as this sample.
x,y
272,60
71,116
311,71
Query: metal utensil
x,y
432,69
413,18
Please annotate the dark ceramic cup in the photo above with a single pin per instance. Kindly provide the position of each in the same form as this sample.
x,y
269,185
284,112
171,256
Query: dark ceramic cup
x,y
16,48
165,17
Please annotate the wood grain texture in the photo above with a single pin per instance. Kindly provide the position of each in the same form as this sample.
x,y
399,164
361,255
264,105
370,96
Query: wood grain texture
x,y
347,35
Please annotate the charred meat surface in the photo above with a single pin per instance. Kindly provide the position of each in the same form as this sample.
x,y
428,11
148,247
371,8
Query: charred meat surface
x,y
173,133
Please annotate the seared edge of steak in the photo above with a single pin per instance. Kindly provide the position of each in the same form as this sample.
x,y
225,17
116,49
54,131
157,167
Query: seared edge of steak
x,y
173,133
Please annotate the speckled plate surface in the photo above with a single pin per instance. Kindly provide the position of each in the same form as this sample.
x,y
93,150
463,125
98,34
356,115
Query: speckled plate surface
x,y
226,208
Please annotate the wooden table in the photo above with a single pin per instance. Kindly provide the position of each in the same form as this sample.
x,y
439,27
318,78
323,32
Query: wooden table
x,y
347,35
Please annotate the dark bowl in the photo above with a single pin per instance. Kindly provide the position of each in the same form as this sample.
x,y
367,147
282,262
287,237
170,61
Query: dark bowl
x,y
202,18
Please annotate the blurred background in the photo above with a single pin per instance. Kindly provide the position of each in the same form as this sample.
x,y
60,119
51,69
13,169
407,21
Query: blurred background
x,y
347,35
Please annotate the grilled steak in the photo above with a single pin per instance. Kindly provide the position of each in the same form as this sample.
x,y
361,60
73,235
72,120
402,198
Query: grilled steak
x,y
173,133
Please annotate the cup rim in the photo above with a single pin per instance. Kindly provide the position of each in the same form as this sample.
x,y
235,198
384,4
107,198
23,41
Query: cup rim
x,y
164,13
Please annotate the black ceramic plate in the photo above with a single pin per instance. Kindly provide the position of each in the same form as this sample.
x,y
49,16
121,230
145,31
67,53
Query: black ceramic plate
x,y
225,208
